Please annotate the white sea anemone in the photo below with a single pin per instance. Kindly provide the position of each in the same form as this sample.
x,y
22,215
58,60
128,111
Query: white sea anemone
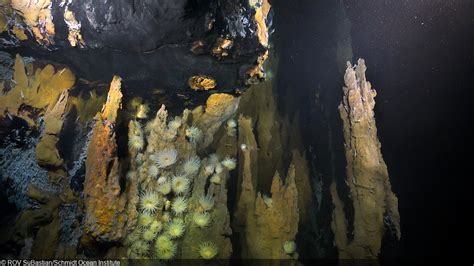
x,y
176,229
194,134
289,247
180,184
175,123
219,168
201,219
165,158
191,165
149,201
179,205
156,226
153,170
209,169
136,143
145,219
164,188
162,179
139,247
165,249
268,201
216,179
206,202
231,127
243,147
208,250
162,240
231,123
229,163
142,111
149,235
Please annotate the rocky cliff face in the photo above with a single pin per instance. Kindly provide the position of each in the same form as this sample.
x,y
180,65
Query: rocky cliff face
x,y
103,198
374,204
224,40
264,222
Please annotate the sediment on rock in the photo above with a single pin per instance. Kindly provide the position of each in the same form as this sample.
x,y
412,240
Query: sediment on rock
x,y
367,176
271,131
169,165
46,151
219,230
272,144
103,198
34,91
264,223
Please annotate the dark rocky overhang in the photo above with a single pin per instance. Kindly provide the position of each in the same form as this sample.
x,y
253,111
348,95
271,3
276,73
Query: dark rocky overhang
x,y
151,44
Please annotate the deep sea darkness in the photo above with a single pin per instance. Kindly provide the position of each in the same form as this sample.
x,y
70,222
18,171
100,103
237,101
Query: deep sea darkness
x,y
419,59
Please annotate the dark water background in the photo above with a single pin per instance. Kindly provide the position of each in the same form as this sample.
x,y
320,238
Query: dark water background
x,y
420,60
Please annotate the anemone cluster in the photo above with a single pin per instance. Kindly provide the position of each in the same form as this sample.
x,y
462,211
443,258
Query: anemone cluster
x,y
136,141
165,172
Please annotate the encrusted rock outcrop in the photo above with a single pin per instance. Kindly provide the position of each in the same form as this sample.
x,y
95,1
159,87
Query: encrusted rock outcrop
x,y
264,223
34,91
271,130
219,107
41,222
279,141
219,230
46,152
40,97
37,230
37,15
103,198
373,202
177,195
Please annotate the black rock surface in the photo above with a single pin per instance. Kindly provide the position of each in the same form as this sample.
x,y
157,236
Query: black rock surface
x,y
148,42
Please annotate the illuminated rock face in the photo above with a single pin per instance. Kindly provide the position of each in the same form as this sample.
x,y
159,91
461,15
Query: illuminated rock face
x,y
367,177
165,133
105,215
178,39
38,88
38,17
46,151
264,223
